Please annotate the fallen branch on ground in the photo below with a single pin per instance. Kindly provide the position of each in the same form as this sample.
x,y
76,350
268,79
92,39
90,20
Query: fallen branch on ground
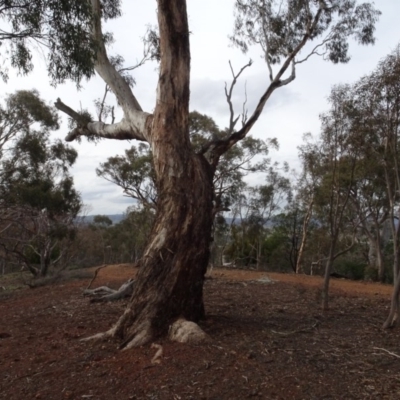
x,y
104,293
307,329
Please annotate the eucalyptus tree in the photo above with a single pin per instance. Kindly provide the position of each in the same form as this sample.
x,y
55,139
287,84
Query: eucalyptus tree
x,y
20,113
33,199
169,285
264,203
337,163
376,119
384,94
38,201
252,215
305,193
369,198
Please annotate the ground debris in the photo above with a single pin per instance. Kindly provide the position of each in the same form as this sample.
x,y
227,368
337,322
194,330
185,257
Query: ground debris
x,y
268,342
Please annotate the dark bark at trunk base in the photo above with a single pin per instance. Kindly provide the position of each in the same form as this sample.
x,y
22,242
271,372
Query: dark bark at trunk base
x,y
169,283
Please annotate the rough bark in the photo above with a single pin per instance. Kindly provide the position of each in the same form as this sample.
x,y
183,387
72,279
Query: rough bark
x,y
169,284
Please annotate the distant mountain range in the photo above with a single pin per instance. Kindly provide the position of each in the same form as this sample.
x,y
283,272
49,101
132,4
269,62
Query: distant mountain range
x,y
115,218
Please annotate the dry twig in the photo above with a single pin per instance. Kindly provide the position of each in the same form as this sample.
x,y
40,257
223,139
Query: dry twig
x,y
158,355
387,351
307,329
95,274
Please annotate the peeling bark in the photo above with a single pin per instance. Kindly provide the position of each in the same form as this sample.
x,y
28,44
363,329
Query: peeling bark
x,y
169,283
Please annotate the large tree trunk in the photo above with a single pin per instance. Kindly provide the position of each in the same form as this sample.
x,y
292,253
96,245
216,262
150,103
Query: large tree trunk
x,y
170,280
169,284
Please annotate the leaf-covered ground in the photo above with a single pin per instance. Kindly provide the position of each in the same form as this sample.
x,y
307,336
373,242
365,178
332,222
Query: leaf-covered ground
x,y
269,341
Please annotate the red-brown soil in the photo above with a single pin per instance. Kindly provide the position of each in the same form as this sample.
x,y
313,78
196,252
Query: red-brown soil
x,y
269,341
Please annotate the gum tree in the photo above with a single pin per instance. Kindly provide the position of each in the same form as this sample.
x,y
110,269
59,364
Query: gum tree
x,y
169,284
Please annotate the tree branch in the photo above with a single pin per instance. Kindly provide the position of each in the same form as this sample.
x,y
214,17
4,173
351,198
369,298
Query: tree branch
x,y
107,71
218,147
125,129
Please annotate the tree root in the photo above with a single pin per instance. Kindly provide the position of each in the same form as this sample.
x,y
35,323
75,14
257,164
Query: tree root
x,y
181,331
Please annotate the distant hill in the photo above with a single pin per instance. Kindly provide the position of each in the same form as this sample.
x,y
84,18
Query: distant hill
x,y
115,218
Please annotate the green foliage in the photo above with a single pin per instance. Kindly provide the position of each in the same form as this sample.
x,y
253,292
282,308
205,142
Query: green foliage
x,y
63,26
21,111
102,221
280,27
38,201
104,242
134,171
351,269
36,175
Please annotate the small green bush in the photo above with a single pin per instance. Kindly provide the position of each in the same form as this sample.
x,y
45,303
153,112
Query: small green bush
x,y
350,269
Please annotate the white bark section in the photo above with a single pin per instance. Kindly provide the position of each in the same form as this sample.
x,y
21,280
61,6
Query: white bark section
x,y
107,71
158,241
136,125
138,122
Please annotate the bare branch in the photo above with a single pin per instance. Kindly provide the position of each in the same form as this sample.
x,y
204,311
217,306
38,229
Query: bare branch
x,y
228,93
218,147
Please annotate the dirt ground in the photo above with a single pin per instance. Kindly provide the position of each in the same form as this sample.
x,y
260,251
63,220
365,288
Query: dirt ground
x,y
269,341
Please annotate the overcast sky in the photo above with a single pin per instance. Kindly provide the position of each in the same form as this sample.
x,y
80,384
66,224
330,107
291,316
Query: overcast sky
x,y
292,111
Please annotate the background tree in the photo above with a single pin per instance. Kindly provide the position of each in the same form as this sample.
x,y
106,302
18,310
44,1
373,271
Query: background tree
x,y
337,163
169,284
22,111
37,197
134,171
252,218
378,98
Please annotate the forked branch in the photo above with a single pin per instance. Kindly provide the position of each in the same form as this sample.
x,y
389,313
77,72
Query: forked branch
x,y
122,130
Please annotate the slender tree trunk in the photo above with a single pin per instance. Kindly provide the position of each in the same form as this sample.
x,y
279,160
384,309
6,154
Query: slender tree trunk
x,y
375,256
327,276
394,305
380,261
304,236
44,260
170,280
